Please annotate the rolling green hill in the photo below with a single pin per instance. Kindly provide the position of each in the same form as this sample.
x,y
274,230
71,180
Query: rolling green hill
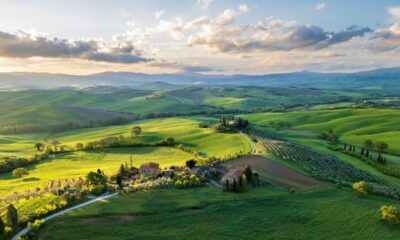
x,y
185,131
353,125
24,110
208,213
78,164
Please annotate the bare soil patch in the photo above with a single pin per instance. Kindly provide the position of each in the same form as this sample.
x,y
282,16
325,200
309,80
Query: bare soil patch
x,y
277,173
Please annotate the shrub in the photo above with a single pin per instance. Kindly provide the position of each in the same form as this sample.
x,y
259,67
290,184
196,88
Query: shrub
x,y
63,203
8,230
96,189
390,214
363,187
36,224
41,212
20,172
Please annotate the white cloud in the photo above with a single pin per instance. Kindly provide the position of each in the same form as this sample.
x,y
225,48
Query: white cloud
x,y
394,11
244,8
175,27
204,4
320,6
158,14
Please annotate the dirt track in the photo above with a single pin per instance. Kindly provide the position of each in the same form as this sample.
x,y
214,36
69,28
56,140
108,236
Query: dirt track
x,y
277,173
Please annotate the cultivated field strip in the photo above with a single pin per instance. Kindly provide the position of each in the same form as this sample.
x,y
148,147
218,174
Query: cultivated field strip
x,y
321,166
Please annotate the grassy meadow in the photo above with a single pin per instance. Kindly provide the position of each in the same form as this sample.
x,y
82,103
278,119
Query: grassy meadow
x,y
208,213
353,125
185,131
78,164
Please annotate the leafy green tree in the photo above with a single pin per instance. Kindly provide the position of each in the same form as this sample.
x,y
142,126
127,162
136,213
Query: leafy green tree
x,y
11,216
390,214
381,146
39,146
363,187
136,131
368,144
94,178
20,172
190,163
55,143
79,146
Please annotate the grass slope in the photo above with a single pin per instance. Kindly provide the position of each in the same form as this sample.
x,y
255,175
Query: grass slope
x,y
208,213
353,125
78,164
185,131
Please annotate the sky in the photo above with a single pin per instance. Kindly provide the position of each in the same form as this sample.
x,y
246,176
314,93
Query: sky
x,y
198,36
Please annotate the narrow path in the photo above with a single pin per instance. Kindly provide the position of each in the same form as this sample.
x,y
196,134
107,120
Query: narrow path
x,y
27,229
252,145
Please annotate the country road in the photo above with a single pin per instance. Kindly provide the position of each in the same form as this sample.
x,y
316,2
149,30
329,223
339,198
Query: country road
x,y
27,229
252,145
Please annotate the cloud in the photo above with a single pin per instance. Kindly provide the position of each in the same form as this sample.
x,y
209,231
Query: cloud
x,y
394,11
204,4
158,14
27,45
386,38
175,27
223,36
320,6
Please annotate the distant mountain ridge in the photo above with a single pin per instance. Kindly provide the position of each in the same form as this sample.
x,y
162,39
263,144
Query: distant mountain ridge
x,y
372,79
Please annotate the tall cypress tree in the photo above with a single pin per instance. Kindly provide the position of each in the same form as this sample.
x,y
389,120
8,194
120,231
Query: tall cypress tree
x,y
227,185
234,185
2,226
11,216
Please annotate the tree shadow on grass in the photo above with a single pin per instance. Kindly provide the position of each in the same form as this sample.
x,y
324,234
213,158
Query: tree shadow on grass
x,y
32,179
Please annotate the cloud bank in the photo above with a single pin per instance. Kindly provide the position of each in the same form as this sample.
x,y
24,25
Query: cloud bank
x,y
26,45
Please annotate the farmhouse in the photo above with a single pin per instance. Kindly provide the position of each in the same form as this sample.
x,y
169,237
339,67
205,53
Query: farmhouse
x,y
232,174
201,171
168,173
149,168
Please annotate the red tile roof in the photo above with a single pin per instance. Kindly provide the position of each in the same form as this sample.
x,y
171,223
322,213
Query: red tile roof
x,y
233,173
150,165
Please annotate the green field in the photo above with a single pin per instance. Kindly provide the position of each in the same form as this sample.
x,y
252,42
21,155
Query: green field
x,y
185,131
78,164
44,107
208,213
353,125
